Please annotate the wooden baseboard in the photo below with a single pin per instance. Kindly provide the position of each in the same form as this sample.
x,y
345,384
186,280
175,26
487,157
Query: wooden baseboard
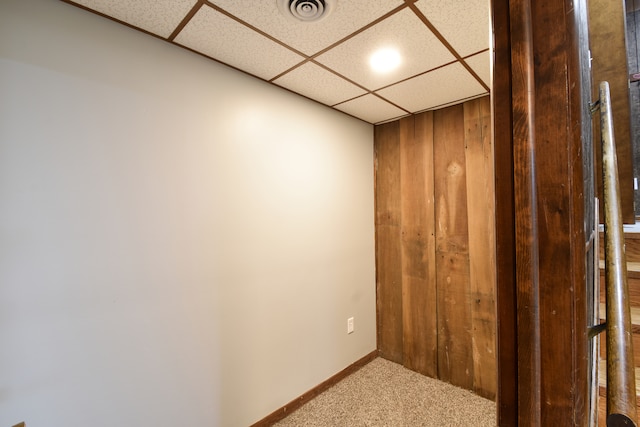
x,y
279,414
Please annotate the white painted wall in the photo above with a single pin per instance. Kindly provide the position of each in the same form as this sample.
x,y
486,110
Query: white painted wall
x,y
180,244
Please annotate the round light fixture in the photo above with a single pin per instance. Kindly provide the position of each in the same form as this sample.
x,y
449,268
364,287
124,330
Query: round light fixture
x,y
385,60
306,10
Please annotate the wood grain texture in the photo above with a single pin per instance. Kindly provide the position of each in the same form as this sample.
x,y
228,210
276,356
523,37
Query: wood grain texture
x,y
537,122
608,47
583,216
635,342
418,244
482,262
388,243
424,267
387,173
554,207
450,181
506,302
634,288
455,354
526,215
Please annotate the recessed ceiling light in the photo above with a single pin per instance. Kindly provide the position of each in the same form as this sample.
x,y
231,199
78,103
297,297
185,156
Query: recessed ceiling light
x,y
385,60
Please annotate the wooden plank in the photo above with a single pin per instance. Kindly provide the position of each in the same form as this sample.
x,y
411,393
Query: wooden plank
x,y
418,244
455,355
631,246
633,47
560,221
481,216
450,181
387,173
636,348
388,247
506,329
635,316
634,288
608,49
554,209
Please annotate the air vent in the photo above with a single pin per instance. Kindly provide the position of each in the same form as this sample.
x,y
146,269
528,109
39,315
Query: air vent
x,y
306,10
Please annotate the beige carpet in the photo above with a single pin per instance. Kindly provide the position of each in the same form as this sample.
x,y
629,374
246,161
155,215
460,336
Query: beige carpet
x,y
386,394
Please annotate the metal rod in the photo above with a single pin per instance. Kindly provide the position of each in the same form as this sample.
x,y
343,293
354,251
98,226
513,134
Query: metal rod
x,y
597,329
621,383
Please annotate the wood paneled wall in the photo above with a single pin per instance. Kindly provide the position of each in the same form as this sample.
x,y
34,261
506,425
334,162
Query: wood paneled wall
x,y
435,244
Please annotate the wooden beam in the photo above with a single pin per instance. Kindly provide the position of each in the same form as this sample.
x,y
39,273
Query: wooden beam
x,y
541,252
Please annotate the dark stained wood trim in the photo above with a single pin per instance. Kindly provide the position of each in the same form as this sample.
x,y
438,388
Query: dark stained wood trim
x,y
390,102
287,409
350,36
449,104
196,7
506,334
540,214
526,216
257,30
582,219
110,18
332,71
305,58
444,41
476,53
418,75
360,30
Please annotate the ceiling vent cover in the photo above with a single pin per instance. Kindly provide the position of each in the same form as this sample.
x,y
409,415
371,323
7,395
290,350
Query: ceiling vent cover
x,y
306,10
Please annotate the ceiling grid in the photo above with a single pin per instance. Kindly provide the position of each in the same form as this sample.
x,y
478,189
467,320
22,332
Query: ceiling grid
x,y
444,47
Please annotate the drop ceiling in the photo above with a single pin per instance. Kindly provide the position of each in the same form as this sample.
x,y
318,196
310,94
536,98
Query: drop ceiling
x,y
444,45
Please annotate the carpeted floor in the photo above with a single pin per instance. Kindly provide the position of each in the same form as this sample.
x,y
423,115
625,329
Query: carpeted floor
x,y
384,393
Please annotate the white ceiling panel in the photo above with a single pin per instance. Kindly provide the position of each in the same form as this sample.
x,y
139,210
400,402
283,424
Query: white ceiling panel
x,y
371,109
315,82
309,38
465,24
255,37
419,48
228,41
159,17
440,87
481,64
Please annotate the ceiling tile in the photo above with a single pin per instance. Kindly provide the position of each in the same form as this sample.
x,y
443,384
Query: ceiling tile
x,y
159,17
419,48
481,64
465,24
309,38
371,109
443,86
315,82
215,35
